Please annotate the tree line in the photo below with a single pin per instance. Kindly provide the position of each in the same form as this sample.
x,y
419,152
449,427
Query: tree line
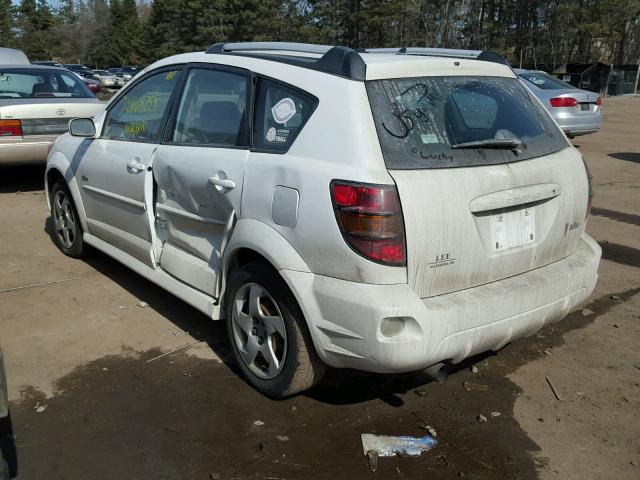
x,y
105,33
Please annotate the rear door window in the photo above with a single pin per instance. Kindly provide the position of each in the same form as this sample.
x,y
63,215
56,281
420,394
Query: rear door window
x,y
281,112
212,109
425,122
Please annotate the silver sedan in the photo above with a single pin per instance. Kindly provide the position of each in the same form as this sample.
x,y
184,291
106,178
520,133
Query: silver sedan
x,y
577,112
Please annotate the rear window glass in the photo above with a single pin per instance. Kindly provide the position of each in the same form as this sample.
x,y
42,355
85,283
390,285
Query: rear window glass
x,y
41,83
544,81
281,113
425,122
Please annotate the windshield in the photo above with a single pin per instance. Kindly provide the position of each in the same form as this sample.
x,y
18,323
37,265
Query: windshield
x,y
545,81
41,83
437,122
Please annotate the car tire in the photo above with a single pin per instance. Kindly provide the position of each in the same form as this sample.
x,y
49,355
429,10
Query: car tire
x,y
4,468
67,229
290,364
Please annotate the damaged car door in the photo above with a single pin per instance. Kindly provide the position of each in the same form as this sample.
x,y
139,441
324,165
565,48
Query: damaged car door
x,y
198,173
114,170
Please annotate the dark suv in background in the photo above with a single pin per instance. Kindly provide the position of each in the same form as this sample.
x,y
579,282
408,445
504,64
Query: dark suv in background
x,y
81,70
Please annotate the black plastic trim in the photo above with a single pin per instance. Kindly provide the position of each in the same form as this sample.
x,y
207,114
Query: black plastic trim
x,y
341,61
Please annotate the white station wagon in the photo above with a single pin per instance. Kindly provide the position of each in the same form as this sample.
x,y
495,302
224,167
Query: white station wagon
x,y
385,210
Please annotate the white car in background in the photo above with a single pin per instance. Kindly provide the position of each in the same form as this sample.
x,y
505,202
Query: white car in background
x,y
108,79
385,210
36,104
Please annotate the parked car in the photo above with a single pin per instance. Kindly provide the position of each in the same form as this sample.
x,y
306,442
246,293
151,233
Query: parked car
x,y
119,72
47,63
36,104
93,85
108,79
577,112
81,70
4,412
376,211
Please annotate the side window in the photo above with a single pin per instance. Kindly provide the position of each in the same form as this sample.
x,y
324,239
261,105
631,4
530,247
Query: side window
x,y
212,109
281,113
138,114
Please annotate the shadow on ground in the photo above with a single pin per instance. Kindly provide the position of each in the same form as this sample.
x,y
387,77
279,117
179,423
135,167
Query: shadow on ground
x,y
22,178
626,156
630,218
621,254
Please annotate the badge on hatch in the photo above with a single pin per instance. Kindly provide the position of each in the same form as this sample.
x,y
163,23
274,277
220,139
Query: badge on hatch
x,y
443,260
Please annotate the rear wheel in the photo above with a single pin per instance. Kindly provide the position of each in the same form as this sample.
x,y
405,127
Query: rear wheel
x,y
67,230
268,333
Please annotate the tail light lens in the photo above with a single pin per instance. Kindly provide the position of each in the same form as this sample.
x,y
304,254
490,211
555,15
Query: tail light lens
x,y
590,194
563,102
599,101
370,219
10,128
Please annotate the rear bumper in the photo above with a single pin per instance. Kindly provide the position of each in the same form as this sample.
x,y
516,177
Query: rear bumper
x,y
345,317
26,150
575,125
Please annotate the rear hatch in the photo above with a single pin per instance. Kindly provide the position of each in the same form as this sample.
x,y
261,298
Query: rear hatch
x,y
489,186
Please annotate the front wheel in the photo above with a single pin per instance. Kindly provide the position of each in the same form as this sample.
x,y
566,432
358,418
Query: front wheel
x,y
268,333
67,230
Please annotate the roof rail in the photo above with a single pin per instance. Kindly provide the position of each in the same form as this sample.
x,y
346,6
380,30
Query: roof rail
x,y
487,56
341,61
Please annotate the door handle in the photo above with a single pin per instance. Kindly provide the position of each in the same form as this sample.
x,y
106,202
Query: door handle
x,y
221,183
134,166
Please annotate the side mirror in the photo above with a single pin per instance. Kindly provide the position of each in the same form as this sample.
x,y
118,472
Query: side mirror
x,y
82,127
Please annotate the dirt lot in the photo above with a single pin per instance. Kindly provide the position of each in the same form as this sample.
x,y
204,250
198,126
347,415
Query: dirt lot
x,y
89,399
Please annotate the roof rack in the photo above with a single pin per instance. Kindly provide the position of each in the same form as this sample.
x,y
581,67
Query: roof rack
x,y
486,55
341,61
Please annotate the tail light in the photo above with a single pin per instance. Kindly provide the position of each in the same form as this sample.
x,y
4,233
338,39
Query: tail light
x,y
599,101
563,102
370,219
590,194
10,128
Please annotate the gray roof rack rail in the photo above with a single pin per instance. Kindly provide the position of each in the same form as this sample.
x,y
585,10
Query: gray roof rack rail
x,y
485,55
341,61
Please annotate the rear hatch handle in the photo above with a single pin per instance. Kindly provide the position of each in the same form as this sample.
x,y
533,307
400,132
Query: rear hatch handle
x,y
514,197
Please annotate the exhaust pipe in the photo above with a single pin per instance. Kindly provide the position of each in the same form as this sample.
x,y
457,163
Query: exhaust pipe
x,y
437,372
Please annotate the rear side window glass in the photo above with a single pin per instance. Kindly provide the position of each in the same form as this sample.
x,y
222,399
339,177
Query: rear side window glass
x,y
138,114
425,122
41,83
280,114
212,109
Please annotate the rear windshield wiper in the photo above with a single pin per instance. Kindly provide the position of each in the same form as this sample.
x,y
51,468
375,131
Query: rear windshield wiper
x,y
510,143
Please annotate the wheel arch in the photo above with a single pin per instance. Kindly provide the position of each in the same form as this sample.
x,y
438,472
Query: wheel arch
x,y
58,168
252,240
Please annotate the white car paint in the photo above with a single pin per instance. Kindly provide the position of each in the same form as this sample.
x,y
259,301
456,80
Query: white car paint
x,y
483,300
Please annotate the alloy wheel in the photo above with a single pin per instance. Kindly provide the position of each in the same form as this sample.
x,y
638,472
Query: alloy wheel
x,y
259,331
64,220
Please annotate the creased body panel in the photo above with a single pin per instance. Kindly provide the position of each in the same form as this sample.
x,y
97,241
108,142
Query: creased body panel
x,y
453,245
